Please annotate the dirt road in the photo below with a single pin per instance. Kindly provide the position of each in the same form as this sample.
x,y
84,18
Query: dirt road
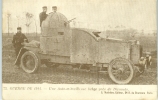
x,y
64,75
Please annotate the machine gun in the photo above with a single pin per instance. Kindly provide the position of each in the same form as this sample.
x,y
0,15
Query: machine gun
x,y
69,21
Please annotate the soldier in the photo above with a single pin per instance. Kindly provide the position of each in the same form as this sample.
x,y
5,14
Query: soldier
x,y
43,15
54,8
148,59
18,39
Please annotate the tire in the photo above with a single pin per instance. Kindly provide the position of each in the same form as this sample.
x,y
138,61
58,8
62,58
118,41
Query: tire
x,y
30,62
121,71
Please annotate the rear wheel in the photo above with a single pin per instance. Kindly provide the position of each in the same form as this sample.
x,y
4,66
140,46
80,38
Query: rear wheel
x,y
30,62
121,71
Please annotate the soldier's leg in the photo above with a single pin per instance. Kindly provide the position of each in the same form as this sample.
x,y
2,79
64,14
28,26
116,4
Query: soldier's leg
x,y
17,52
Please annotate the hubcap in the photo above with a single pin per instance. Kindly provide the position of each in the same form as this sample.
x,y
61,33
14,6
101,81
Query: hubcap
x,y
29,62
120,71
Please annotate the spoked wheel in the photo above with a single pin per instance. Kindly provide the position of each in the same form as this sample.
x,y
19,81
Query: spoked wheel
x,y
29,62
121,71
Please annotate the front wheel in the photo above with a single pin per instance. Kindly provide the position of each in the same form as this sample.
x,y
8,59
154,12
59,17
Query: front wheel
x,y
30,62
121,71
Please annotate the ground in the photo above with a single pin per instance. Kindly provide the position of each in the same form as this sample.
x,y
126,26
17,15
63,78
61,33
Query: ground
x,y
64,74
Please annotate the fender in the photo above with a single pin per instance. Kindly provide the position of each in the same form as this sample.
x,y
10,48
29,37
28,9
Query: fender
x,y
22,51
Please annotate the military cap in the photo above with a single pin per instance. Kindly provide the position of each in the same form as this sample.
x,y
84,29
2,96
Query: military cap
x,y
18,28
44,6
54,7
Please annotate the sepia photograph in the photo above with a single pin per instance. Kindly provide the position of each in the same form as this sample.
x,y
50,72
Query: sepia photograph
x,y
76,42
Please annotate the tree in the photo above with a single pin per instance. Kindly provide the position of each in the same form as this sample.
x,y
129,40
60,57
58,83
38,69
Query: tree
x,y
132,32
28,21
36,27
154,33
8,16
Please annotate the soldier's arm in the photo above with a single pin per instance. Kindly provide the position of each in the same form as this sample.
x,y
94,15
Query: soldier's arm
x,y
25,38
45,17
40,19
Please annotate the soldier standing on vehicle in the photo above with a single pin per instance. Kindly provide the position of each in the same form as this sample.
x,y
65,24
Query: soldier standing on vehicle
x,y
18,39
43,15
54,8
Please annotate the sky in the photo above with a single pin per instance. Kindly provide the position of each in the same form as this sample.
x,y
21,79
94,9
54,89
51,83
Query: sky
x,y
98,14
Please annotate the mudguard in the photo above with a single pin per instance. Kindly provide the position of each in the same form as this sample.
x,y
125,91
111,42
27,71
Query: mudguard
x,y
17,60
23,50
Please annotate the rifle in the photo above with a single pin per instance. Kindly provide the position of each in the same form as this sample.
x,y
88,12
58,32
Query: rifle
x,y
69,21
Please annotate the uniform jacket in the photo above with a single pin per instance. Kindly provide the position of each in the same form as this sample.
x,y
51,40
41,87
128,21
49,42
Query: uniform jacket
x,y
42,17
18,38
